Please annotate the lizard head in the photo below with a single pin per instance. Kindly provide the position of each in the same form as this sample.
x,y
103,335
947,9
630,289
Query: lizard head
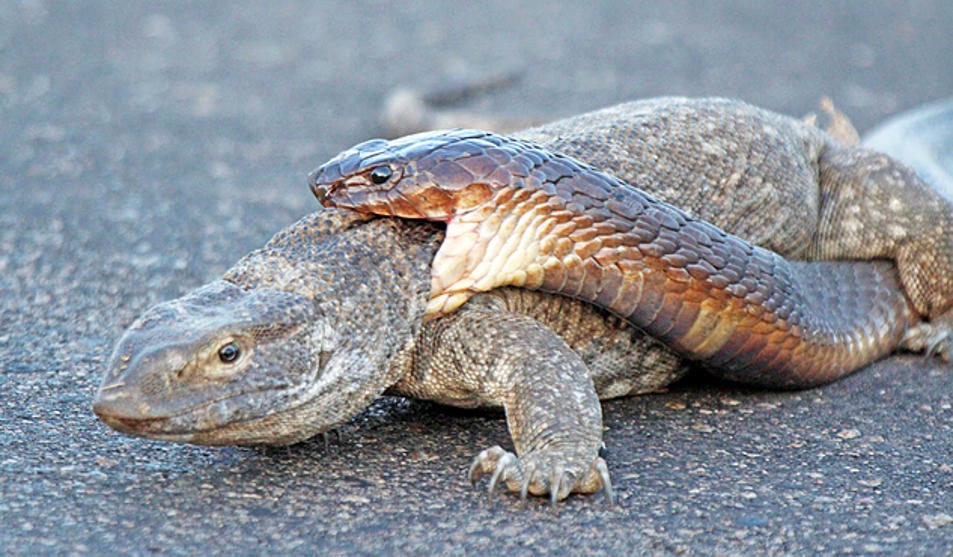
x,y
295,339
430,175
220,365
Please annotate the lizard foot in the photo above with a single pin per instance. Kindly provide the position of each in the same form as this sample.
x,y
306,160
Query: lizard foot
x,y
932,339
542,473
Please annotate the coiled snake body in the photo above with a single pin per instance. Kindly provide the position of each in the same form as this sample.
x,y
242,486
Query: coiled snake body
x,y
521,215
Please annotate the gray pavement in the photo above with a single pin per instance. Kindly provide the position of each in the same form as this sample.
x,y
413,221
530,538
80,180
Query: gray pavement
x,y
146,146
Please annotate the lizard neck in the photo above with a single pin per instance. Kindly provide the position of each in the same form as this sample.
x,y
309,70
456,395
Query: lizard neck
x,y
371,281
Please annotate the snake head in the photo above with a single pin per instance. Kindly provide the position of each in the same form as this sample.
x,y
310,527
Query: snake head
x,y
431,175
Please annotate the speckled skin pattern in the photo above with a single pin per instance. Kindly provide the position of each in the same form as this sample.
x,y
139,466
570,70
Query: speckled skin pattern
x,y
303,334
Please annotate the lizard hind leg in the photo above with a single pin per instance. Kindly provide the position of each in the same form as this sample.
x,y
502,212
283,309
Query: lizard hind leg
x,y
874,207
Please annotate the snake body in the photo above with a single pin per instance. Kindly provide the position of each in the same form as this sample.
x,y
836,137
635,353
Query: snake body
x,y
518,214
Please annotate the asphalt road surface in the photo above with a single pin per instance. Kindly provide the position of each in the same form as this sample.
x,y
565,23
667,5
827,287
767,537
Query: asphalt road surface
x,y
146,146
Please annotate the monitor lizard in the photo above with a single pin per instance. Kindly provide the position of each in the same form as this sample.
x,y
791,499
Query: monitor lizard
x,y
303,334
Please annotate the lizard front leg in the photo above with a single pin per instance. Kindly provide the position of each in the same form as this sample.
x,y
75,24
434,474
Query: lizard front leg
x,y
485,355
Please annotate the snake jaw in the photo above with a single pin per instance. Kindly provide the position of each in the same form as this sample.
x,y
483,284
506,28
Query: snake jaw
x,y
323,193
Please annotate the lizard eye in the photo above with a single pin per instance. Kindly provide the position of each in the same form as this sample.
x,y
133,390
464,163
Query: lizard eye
x,y
229,353
381,174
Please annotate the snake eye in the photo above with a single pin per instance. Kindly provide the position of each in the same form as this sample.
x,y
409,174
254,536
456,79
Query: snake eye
x,y
381,174
229,353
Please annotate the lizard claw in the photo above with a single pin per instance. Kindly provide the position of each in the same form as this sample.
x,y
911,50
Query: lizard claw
x,y
506,463
933,339
603,471
495,461
556,484
528,472
541,473
940,347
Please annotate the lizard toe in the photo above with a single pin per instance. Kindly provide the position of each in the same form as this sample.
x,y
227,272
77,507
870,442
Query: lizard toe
x,y
545,473
933,339
499,465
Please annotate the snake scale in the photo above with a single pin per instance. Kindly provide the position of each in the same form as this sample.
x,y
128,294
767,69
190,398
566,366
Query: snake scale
x,y
522,214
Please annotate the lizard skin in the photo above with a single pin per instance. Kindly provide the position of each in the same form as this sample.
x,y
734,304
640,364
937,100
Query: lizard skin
x,y
329,327
521,211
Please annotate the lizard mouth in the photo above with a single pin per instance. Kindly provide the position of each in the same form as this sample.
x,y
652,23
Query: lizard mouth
x,y
140,427
244,432
200,424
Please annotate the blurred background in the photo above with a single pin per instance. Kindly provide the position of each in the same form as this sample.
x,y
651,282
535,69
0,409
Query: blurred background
x,y
302,80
